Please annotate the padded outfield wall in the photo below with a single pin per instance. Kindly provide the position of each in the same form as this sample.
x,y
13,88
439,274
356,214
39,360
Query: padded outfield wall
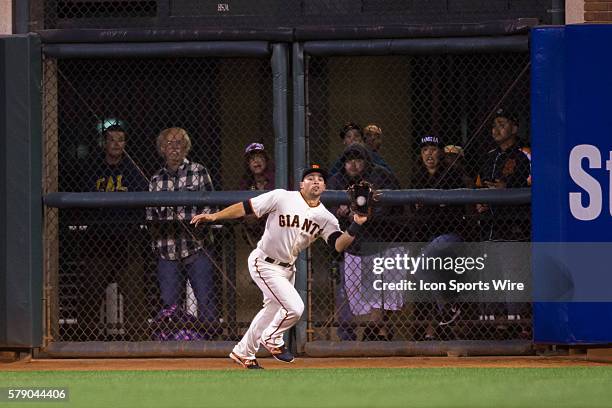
x,y
571,122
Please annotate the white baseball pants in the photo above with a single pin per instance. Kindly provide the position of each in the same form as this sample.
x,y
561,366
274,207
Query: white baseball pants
x,y
282,305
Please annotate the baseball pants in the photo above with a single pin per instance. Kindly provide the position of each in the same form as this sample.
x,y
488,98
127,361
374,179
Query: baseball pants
x,y
282,306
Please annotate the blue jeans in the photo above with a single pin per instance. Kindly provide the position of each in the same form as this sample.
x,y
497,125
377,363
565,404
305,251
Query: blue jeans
x,y
199,271
439,247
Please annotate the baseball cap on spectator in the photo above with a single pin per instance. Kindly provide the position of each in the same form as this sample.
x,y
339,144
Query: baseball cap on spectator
x,y
429,140
315,168
111,124
106,125
253,148
505,113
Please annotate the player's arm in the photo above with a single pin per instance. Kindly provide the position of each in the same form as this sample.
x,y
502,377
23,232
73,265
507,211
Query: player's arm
x,y
260,205
341,241
233,211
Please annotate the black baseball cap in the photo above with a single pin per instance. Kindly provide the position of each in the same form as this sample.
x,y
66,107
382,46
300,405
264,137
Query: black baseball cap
x,y
315,168
505,113
430,140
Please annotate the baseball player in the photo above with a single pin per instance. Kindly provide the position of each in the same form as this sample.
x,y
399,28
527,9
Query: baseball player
x,y
295,220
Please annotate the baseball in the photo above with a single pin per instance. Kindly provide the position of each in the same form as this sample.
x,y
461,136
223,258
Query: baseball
x,y
361,200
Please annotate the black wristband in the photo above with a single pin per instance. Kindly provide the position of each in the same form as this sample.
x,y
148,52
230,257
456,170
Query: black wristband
x,y
247,207
353,229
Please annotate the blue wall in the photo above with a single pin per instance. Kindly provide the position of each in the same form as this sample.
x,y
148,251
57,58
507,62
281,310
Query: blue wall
x,y
572,118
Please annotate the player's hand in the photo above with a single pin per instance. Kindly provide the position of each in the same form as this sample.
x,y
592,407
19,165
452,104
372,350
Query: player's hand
x,y
480,208
495,184
359,219
203,218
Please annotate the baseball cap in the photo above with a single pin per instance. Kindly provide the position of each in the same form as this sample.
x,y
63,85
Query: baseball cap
x,y
429,140
505,113
106,123
315,168
253,147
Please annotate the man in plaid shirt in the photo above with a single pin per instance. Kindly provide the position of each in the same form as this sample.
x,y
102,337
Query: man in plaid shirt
x,y
177,247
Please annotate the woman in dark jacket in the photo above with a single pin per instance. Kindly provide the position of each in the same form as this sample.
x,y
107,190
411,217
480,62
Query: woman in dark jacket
x,y
258,175
433,173
440,225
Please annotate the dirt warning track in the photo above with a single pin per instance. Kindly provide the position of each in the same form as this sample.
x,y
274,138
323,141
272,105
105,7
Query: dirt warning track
x,y
300,363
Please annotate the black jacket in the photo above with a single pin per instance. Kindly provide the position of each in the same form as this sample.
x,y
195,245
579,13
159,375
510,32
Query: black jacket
x,y
513,166
435,220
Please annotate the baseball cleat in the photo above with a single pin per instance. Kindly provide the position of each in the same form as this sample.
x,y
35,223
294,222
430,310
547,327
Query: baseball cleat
x,y
249,364
280,353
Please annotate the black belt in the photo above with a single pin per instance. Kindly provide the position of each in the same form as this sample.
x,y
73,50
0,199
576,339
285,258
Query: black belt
x,y
275,262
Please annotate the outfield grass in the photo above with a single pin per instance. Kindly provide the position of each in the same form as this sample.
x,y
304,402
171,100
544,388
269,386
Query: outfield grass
x,y
418,387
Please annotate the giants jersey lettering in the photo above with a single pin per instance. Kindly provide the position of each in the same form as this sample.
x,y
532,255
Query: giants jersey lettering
x,y
292,224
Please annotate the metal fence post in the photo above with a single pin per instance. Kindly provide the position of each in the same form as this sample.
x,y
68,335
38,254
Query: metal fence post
x,y
299,163
280,117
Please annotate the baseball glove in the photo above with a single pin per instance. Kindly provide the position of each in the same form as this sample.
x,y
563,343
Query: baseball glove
x,y
362,196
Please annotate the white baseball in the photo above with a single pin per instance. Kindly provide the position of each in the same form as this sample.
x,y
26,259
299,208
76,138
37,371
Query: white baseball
x,y
361,200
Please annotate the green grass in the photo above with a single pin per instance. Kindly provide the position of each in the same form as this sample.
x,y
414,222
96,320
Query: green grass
x,y
419,387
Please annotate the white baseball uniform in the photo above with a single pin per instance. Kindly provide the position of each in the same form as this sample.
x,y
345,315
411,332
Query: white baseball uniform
x,y
292,226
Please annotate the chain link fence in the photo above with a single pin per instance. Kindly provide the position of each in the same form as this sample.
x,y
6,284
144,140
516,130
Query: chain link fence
x,y
131,274
276,13
417,122
420,122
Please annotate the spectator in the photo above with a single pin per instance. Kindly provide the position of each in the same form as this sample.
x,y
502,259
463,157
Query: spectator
x,y
350,133
354,296
259,175
373,137
178,248
116,172
506,166
433,173
439,225
115,242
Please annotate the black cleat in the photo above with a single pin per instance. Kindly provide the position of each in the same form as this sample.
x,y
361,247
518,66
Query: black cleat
x,y
280,353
